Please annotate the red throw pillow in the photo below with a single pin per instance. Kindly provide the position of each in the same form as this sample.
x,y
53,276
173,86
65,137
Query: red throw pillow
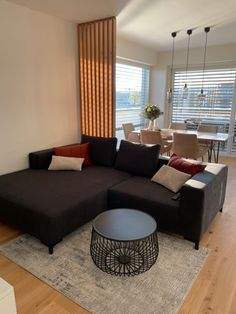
x,y
184,165
80,151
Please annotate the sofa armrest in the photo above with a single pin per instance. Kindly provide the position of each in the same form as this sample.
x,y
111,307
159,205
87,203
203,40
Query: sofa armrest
x,y
201,198
40,159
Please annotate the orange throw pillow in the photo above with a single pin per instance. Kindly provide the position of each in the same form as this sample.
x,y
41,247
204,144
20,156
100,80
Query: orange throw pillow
x,y
79,151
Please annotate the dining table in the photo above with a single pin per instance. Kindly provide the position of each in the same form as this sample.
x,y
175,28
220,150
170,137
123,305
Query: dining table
x,y
212,138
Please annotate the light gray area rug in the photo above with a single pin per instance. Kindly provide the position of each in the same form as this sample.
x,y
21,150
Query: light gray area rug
x,y
71,271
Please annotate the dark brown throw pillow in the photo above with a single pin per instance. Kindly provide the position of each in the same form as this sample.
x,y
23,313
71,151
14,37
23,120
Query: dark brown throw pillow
x,y
138,159
103,149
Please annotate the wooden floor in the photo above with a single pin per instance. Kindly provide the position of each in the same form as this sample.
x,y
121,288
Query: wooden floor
x,y
214,291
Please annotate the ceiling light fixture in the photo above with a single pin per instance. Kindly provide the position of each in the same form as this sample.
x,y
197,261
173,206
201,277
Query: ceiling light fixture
x,y
202,95
185,88
169,92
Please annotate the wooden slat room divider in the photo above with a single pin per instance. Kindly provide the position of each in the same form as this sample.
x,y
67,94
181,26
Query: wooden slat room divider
x,y
97,55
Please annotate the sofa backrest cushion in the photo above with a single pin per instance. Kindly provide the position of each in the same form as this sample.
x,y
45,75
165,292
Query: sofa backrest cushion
x,y
77,151
137,159
40,159
103,149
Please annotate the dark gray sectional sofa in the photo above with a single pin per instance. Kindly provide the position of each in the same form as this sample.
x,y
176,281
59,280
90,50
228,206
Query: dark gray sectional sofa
x,y
51,204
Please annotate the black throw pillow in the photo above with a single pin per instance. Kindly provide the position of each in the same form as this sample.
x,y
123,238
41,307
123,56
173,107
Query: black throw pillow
x,y
103,149
137,159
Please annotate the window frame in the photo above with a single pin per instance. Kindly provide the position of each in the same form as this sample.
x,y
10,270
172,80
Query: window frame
x,y
134,64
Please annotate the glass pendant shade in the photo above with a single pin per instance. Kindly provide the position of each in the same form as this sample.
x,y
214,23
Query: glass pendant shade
x,y
185,92
169,95
201,96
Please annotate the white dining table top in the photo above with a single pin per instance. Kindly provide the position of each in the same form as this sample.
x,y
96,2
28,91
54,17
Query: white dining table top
x,y
217,137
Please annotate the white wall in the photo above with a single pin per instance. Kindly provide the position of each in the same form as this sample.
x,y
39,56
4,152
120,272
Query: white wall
x,y
131,51
38,84
216,55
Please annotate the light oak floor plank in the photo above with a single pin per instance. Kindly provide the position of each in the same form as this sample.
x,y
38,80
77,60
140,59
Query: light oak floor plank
x,y
214,289
213,292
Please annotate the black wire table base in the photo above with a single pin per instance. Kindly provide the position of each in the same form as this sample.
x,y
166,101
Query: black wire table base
x,y
127,258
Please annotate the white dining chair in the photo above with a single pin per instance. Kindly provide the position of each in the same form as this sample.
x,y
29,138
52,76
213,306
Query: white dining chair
x,y
128,129
154,137
187,146
178,126
208,128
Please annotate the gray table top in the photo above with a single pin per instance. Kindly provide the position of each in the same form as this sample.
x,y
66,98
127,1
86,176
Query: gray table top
x,y
124,224
214,137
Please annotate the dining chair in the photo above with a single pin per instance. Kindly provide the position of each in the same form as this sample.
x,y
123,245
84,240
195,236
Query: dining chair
x,y
187,146
178,126
207,128
154,137
211,146
128,129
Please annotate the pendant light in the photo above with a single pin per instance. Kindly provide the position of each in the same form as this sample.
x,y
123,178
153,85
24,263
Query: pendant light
x,y
185,88
202,95
169,92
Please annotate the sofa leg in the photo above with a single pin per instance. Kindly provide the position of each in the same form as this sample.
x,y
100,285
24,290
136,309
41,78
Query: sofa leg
x,y
221,210
197,245
50,247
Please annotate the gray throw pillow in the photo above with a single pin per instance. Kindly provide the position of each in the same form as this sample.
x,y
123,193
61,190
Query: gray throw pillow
x,y
66,163
171,178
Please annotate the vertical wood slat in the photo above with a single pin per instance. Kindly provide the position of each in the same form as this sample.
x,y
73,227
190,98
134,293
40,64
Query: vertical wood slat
x,y
81,79
97,82
97,76
105,62
113,97
93,74
89,82
100,69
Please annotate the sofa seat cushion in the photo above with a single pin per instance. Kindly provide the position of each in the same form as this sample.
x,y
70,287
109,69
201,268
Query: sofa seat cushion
x,y
140,193
50,204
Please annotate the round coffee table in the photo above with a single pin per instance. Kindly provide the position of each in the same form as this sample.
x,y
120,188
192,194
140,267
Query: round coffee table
x,y
124,241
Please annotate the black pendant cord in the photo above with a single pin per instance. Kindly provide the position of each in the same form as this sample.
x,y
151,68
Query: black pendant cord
x,y
189,32
172,59
207,30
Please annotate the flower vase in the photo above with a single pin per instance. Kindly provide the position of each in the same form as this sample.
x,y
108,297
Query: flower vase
x,y
152,125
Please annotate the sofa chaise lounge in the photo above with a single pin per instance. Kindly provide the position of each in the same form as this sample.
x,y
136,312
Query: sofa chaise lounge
x,y
51,204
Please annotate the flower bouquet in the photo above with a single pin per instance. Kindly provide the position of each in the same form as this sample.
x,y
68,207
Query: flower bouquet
x,y
152,112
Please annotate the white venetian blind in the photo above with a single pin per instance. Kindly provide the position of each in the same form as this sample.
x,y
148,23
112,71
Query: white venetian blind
x,y
219,87
132,87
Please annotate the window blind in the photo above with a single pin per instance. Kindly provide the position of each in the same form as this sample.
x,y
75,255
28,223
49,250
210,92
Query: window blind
x,y
217,109
132,87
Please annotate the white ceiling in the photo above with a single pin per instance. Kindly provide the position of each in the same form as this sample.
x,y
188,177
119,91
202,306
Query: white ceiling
x,y
150,22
